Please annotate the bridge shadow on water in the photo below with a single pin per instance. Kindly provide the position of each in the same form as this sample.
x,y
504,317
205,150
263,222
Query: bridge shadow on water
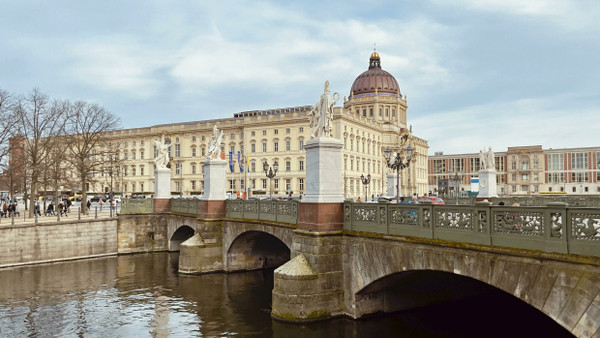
x,y
457,306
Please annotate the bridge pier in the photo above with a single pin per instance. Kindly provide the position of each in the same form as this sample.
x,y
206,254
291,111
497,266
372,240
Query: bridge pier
x,y
310,286
198,255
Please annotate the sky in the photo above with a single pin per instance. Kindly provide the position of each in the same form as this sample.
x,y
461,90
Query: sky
x,y
476,73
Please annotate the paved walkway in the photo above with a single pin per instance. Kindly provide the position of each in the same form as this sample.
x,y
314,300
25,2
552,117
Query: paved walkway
x,y
24,219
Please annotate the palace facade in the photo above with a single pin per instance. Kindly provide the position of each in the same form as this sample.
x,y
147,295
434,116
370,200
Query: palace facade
x,y
372,118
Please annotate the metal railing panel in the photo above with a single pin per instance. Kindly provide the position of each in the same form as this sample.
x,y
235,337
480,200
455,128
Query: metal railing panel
x,y
137,206
583,228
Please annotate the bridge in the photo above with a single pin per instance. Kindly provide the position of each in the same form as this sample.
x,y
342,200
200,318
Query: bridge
x,y
365,258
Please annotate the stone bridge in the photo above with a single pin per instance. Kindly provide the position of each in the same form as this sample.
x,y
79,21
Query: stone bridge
x,y
388,258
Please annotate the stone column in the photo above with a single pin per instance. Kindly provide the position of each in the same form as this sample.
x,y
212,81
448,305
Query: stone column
x,y
162,190
487,184
198,254
310,286
212,203
321,207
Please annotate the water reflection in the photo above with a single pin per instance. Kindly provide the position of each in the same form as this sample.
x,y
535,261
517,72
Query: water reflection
x,y
144,296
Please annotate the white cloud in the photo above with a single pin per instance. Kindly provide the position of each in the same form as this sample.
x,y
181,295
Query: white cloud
x,y
120,65
568,14
549,121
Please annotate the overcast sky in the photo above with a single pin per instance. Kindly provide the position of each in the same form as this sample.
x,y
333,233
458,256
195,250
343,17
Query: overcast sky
x,y
476,72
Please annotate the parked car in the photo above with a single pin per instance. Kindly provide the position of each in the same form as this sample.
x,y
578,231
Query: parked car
x,y
138,197
433,199
117,199
97,199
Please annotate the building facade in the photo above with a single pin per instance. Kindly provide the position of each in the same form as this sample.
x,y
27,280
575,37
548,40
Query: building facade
x,y
373,116
523,170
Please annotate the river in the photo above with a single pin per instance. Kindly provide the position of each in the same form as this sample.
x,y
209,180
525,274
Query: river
x,y
142,295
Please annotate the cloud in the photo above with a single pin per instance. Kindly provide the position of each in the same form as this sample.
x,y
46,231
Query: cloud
x,y
118,65
572,15
553,122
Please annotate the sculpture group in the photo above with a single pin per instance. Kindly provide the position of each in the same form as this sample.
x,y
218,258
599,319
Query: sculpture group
x,y
486,159
320,118
162,157
214,144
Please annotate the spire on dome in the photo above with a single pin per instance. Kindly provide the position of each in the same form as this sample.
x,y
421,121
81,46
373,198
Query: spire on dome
x,y
374,61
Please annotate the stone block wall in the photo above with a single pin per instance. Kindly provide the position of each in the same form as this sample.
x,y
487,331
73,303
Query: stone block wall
x,y
143,233
51,242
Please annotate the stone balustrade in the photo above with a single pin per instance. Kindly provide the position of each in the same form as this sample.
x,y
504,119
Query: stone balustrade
x,y
137,206
267,210
553,228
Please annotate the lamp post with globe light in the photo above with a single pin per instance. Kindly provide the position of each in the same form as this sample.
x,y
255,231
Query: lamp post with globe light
x,y
397,161
365,182
270,172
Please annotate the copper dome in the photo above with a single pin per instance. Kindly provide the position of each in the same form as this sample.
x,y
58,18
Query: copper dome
x,y
375,79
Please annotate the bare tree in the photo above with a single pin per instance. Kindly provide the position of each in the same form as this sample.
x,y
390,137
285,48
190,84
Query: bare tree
x,y
87,126
39,121
7,122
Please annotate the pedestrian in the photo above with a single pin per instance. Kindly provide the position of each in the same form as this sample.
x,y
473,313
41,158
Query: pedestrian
x,y
88,204
113,204
50,210
5,209
100,202
37,208
69,204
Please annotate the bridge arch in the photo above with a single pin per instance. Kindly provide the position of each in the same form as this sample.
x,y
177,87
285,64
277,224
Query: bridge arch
x,y
180,235
252,250
464,302
562,291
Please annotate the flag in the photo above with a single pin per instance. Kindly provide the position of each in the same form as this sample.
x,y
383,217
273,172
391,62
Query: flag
x,y
231,161
240,164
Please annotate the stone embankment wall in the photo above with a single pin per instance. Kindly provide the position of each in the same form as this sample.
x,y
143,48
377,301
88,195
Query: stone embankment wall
x,y
50,242
142,233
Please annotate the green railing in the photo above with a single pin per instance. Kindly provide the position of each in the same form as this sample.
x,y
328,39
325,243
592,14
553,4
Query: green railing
x,y
535,200
552,228
267,210
137,206
185,206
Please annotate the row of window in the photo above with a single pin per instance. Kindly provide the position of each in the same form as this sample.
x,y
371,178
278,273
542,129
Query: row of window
x,y
276,131
288,146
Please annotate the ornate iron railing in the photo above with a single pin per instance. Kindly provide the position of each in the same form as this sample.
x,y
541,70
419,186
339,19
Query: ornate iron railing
x,y
185,206
553,228
137,206
268,210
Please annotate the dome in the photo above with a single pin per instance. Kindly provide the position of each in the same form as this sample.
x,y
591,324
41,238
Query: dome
x,y
375,79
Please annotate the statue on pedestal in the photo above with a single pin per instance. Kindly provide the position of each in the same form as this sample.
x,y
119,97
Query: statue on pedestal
x,y
162,148
482,160
214,144
321,116
490,159
487,159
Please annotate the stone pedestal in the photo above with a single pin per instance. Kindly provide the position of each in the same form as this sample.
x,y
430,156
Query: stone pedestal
x,y
392,182
214,180
487,184
162,183
324,171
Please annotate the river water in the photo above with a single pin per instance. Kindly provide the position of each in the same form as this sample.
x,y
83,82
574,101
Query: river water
x,y
142,295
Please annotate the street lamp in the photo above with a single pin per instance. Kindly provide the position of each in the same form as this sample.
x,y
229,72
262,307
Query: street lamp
x,y
365,182
456,180
270,173
399,160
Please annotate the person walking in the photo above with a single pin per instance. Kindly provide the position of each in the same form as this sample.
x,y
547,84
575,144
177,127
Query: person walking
x,y
100,202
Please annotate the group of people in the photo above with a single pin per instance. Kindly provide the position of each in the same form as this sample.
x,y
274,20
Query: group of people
x,y
9,208
63,208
